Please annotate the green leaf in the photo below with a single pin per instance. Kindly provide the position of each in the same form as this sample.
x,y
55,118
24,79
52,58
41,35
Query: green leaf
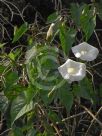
x,y
67,99
66,96
11,78
67,38
20,32
81,91
53,117
84,89
84,17
19,108
12,56
2,68
32,132
49,62
42,67
30,93
88,21
12,91
76,11
51,18
17,105
2,44
25,109
45,98
43,134
17,131
3,102
48,59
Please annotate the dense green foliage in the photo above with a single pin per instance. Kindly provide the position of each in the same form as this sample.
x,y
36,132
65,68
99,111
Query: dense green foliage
x,y
34,98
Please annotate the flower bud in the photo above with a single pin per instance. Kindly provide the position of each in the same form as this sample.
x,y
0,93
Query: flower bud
x,y
50,31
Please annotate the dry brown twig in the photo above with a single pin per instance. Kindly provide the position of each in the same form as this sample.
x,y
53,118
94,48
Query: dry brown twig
x,y
74,116
93,121
92,115
6,131
98,40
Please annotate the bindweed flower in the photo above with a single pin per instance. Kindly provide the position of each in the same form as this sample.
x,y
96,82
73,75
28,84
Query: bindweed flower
x,y
72,70
85,51
50,31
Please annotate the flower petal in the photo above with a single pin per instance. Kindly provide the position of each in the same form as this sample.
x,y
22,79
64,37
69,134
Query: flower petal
x,y
72,70
85,51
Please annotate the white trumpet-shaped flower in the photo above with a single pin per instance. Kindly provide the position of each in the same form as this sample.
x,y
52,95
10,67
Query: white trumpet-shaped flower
x,y
72,70
85,51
